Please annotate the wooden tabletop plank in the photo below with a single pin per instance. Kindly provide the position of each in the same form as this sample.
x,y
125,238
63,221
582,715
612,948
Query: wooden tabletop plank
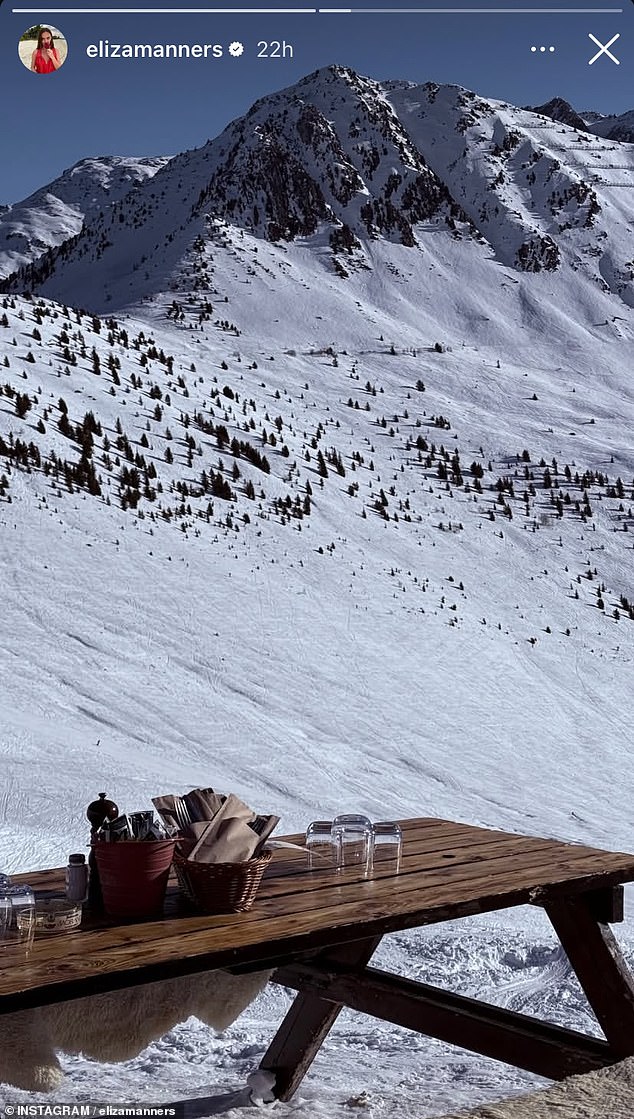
x,y
446,868
448,876
284,879
243,939
293,913
315,891
426,841
452,841
199,946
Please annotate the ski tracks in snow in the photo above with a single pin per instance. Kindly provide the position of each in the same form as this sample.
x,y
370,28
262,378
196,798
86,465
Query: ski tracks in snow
x,y
533,980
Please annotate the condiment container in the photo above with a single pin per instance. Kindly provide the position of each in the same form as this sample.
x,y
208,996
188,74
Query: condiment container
x,y
76,878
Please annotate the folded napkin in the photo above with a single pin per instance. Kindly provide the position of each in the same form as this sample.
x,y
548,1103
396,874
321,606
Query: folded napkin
x,y
202,804
231,841
223,829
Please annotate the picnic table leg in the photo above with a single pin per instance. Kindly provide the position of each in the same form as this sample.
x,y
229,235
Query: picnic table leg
x,y
308,1023
601,969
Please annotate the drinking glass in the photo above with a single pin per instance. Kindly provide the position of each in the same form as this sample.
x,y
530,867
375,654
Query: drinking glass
x,y
353,840
388,845
17,919
6,910
319,844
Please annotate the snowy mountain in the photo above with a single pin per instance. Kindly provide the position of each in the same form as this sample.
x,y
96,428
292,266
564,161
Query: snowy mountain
x,y
349,162
58,210
329,154
326,498
620,128
541,194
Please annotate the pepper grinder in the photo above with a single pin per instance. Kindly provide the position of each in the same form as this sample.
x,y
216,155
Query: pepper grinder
x,y
97,813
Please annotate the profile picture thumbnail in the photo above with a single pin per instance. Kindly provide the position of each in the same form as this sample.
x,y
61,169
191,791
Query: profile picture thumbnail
x,y
42,49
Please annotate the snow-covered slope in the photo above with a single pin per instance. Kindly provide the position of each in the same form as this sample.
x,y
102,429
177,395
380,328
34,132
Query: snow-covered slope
x,y
58,210
401,644
471,507
543,194
334,526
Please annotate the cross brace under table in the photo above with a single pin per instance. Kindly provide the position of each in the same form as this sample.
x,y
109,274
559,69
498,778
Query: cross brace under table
x,y
329,981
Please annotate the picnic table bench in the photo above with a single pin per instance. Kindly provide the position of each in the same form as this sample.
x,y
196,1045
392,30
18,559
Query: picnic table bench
x,y
319,930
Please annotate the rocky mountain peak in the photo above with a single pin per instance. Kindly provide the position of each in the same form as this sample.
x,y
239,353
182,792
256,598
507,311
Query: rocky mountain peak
x,y
330,149
562,111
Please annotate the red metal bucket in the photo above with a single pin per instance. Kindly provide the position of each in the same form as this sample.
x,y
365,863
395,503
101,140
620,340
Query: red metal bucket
x,y
133,876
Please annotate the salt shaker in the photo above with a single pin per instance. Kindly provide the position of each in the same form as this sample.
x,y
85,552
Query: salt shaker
x,y
76,878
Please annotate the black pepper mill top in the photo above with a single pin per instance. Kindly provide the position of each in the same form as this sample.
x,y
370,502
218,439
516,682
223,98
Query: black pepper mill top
x,y
97,813
100,810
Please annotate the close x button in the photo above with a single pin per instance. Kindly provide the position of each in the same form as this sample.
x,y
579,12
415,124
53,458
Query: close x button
x,y
604,48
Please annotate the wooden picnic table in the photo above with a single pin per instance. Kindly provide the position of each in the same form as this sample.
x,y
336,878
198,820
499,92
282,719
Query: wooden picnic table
x,y
320,928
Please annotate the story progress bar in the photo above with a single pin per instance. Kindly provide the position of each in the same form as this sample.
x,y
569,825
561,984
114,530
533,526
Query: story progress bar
x,y
314,11
474,11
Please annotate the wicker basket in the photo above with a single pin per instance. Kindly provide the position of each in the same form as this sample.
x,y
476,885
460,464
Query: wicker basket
x,y
220,887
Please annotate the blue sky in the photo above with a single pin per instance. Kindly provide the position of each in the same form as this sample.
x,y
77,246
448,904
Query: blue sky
x,y
159,107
